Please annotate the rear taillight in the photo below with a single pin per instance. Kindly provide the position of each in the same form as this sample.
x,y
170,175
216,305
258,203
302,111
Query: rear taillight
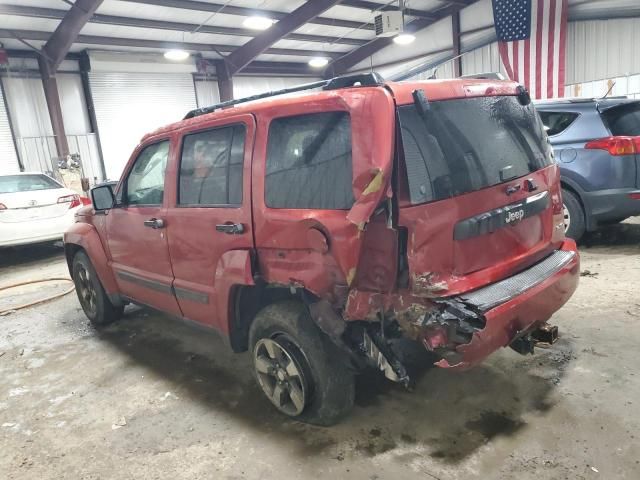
x,y
616,146
73,200
85,200
3,206
632,196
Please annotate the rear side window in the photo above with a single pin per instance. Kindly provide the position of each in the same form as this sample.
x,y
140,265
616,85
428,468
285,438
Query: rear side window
x,y
459,146
211,167
557,122
309,162
624,120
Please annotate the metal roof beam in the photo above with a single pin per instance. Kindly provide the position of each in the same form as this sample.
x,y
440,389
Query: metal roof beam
x,y
65,35
247,12
257,45
352,58
372,6
35,35
52,13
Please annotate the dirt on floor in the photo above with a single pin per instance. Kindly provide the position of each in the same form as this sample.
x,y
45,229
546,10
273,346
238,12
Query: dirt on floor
x,y
153,398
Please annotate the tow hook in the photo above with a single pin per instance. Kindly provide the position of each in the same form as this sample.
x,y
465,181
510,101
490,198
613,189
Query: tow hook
x,y
545,336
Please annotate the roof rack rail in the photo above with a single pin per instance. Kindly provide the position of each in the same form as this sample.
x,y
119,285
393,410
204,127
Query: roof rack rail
x,y
358,79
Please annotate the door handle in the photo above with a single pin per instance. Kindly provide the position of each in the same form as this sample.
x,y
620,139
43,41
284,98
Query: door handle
x,y
230,228
154,223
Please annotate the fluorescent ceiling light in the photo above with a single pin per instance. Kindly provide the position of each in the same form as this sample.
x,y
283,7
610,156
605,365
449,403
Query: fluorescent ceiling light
x,y
176,55
318,62
404,39
257,23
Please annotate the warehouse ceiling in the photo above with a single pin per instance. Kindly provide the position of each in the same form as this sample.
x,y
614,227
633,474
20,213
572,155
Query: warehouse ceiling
x,y
341,31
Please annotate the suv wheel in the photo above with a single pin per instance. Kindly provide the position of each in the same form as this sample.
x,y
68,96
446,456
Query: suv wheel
x,y
574,224
301,372
93,299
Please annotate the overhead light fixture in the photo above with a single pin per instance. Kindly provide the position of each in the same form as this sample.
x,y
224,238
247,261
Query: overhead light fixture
x,y
318,62
176,55
257,23
404,39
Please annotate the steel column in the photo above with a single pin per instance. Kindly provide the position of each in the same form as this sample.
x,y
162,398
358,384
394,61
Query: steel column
x,y
225,81
50,86
455,33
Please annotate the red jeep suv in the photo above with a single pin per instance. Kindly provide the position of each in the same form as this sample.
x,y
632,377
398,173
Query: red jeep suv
x,y
317,229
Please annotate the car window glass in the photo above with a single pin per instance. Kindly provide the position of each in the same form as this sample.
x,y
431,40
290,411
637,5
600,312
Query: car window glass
x,y
557,122
26,183
211,167
309,162
145,183
464,145
624,119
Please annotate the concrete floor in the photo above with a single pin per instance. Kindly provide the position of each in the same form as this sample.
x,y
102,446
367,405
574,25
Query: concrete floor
x,y
152,398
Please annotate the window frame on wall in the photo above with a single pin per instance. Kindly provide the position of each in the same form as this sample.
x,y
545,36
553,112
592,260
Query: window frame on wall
x,y
124,194
243,129
348,190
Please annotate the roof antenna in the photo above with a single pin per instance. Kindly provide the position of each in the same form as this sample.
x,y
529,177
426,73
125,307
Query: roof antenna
x,y
613,84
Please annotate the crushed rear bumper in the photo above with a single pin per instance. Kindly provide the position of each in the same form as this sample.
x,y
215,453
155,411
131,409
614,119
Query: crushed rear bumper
x,y
512,307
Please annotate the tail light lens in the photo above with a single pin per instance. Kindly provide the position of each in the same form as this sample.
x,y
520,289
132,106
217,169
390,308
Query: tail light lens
x,y
3,206
85,200
633,196
73,200
616,146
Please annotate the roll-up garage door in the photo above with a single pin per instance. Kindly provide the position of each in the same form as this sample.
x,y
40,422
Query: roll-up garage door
x,y
129,105
8,156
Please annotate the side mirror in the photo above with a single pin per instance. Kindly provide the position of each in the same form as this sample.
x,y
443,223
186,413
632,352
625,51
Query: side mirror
x,y
102,197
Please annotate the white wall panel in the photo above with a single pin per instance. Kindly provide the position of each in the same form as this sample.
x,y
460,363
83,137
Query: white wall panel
x,y
483,60
602,49
207,93
129,105
247,86
74,110
28,106
8,156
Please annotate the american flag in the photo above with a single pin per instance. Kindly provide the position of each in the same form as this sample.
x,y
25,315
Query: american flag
x,y
532,41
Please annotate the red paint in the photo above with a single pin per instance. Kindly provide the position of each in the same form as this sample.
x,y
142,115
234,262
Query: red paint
x,y
522,313
349,258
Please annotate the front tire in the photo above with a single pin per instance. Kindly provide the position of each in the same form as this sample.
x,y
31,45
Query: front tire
x,y
302,373
574,220
93,299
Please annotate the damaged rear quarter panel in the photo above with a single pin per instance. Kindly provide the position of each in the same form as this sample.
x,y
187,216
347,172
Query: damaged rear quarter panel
x,y
287,253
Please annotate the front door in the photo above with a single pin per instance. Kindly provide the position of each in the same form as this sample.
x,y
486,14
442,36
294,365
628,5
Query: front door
x,y
209,222
136,232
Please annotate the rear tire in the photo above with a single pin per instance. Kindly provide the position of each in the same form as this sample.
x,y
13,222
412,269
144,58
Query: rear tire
x,y
284,340
93,299
574,215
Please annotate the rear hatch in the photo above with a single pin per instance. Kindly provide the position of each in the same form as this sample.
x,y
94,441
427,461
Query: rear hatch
x,y
478,191
623,120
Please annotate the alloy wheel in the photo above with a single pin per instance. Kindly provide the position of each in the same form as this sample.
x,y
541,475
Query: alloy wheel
x,y
567,218
86,290
280,375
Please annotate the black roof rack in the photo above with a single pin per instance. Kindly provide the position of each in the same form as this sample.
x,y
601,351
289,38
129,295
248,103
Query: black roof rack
x,y
358,79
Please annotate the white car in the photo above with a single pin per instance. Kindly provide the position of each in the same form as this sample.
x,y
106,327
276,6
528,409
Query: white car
x,y
34,208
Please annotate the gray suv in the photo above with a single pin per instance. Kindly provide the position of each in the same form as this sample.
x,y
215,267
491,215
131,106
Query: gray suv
x,y
597,146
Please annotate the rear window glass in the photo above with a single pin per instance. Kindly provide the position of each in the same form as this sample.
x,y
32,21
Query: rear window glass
x,y
26,183
309,162
557,122
463,145
624,120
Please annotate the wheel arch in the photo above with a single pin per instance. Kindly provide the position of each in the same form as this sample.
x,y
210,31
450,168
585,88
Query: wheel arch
x,y
84,237
573,188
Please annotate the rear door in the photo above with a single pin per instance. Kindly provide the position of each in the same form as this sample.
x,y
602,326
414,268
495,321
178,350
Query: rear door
x,y
136,231
210,213
480,184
